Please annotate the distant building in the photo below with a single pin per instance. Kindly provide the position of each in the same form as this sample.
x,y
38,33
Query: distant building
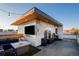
x,y
8,31
70,31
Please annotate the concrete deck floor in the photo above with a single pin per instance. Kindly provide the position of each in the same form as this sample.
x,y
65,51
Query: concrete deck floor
x,y
65,47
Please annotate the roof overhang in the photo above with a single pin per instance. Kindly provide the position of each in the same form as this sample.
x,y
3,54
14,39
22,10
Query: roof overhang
x,y
37,15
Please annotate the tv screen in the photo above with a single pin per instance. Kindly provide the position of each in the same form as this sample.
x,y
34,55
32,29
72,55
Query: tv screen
x,y
30,30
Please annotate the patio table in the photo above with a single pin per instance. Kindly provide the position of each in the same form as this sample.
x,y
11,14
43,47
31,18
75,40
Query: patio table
x,y
21,47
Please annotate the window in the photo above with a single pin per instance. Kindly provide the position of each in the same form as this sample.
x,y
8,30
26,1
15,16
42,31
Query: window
x,y
30,30
56,31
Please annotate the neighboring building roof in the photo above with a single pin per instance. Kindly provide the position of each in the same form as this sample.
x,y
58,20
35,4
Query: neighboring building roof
x,y
37,14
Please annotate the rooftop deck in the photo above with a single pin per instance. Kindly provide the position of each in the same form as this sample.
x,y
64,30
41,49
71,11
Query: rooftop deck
x,y
66,47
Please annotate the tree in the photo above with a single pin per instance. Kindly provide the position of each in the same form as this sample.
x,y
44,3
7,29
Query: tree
x,y
76,33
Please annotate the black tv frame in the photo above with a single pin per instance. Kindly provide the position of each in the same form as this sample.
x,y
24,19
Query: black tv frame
x,y
30,30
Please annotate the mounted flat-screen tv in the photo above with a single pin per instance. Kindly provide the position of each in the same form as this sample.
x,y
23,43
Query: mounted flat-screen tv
x,y
30,30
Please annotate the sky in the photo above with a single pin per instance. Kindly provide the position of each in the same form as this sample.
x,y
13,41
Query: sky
x,y
67,14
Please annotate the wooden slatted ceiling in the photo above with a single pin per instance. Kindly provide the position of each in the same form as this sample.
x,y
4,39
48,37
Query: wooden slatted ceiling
x,y
24,19
44,19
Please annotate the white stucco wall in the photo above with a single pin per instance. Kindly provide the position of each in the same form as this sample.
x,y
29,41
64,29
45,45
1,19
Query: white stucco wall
x,y
60,32
30,38
78,39
40,27
21,27
45,26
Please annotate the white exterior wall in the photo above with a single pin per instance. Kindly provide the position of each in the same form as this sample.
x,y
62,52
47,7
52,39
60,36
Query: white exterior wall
x,y
21,27
60,32
30,38
45,26
78,39
40,27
